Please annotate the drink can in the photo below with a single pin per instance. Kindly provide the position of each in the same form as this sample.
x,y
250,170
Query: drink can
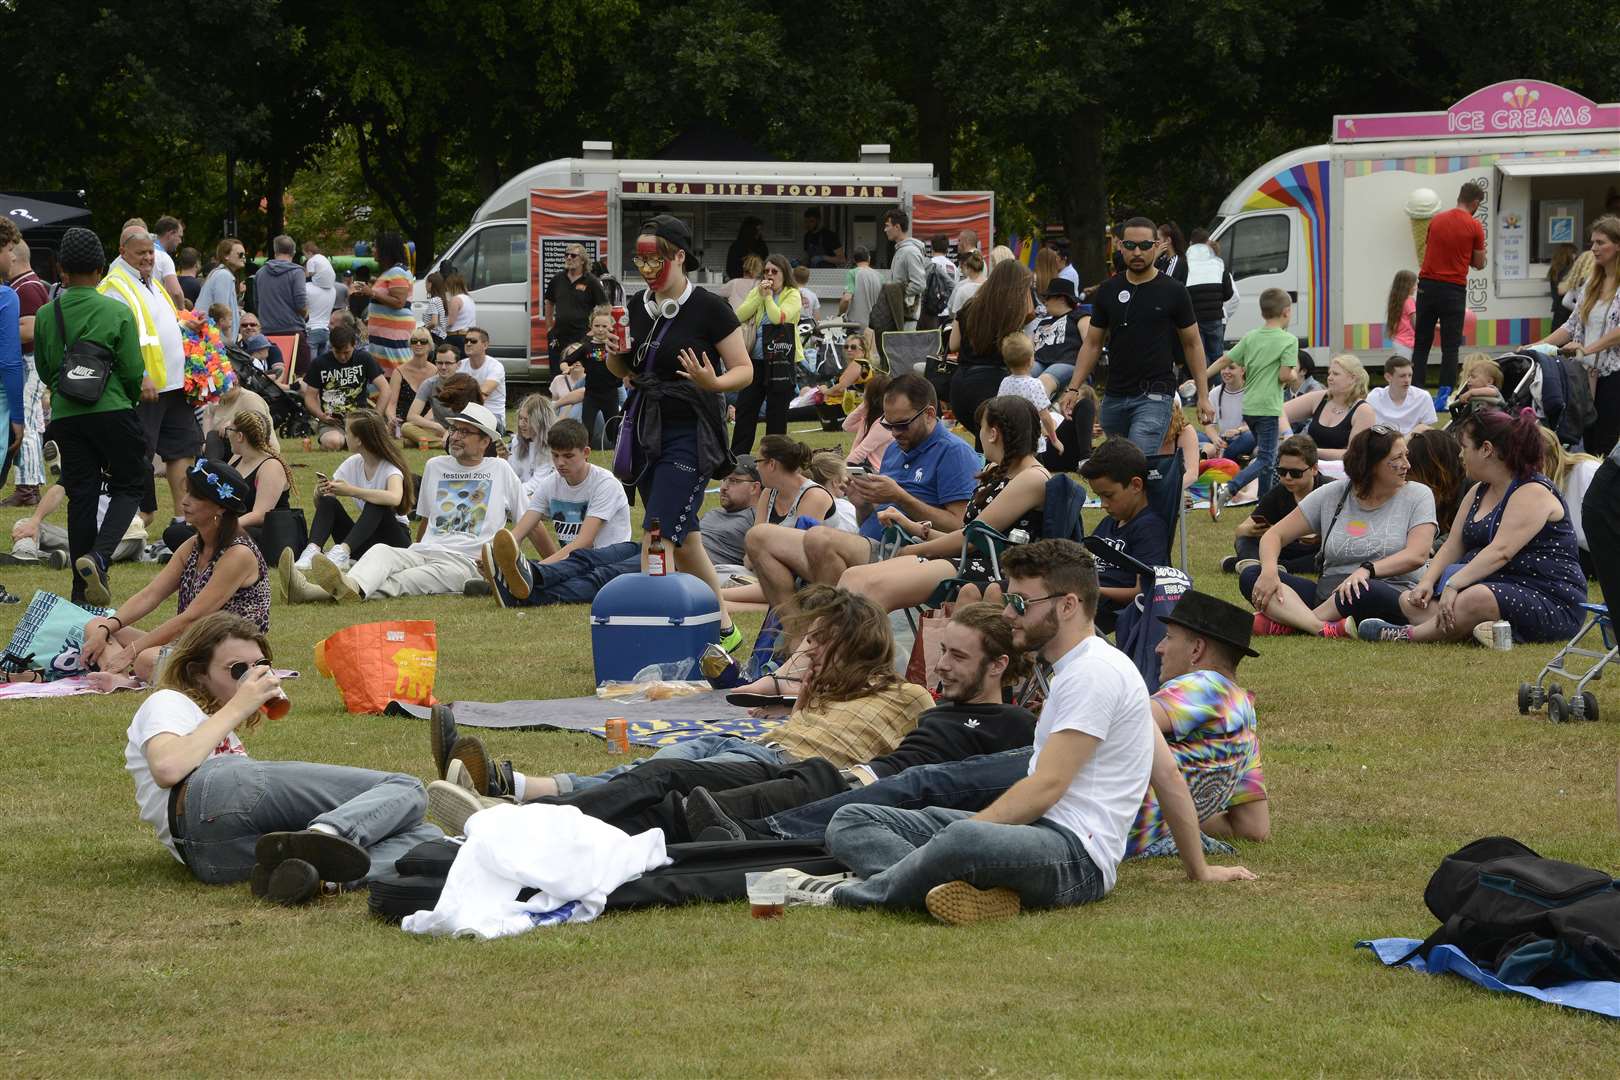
x,y
1501,635
618,735
621,328
1018,536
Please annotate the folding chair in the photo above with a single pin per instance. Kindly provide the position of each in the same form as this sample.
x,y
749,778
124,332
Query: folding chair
x,y
288,345
1165,497
1138,630
905,351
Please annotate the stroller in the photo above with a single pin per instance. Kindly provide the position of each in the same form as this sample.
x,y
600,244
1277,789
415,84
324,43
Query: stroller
x,y
1580,703
1554,387
287,413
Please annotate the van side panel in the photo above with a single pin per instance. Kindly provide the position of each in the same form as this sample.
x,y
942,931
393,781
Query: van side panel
x,y
1305,188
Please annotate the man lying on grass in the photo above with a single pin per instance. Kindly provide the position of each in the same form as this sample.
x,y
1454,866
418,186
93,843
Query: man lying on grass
x,y
977,662
1056,837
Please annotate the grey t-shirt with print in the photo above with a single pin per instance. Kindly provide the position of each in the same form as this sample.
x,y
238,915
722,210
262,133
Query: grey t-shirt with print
x,y
1361,534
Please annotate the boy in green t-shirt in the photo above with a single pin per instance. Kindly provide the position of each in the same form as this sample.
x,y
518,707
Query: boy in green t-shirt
x,y
1262,354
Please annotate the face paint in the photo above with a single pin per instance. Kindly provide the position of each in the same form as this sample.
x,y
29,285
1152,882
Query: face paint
x,y
653,267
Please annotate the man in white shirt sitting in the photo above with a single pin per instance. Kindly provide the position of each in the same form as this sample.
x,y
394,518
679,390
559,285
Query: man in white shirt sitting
x,y
1397,404
1055,838
463,501
490,373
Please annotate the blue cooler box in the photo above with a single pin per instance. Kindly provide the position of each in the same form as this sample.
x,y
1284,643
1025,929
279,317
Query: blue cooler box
x,y
641,619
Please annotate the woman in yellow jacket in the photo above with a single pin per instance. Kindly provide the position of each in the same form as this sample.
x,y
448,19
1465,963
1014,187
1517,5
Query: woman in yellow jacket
x,y
773,302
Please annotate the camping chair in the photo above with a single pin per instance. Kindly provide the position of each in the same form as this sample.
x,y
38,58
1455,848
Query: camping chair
x,y
288,346
1138,630
905,351
1165,495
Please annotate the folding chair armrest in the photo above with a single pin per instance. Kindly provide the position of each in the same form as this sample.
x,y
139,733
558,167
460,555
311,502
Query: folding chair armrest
x,y
894,538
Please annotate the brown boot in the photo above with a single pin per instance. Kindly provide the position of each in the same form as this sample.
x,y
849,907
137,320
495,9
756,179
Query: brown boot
x,y
24,495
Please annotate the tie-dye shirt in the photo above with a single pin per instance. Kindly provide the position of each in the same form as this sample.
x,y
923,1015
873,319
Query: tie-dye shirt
x,y
389,329
1212,734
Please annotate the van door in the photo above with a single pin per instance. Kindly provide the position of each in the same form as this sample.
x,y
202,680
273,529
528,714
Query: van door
x,y
1263,250
493,257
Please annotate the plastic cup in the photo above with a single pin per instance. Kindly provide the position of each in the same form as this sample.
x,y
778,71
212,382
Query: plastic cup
x,y
767,895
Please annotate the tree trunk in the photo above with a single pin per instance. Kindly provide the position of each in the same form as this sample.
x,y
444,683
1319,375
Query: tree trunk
x,y
275,197
1085,193
934,133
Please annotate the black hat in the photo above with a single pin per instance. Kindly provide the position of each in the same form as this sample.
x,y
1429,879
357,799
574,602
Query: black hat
x,y
219,484
746,466
81,252
671,228
1061,286
1214,618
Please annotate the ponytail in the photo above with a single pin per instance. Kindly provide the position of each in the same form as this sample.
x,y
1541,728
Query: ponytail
x,y
791,454
256,430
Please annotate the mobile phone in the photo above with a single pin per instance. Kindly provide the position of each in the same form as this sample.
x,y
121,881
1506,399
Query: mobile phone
x,y
857,470
1258,519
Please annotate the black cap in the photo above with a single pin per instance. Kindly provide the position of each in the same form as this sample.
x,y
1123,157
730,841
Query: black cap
x,y
81,252
220,484
671,228
746,466
1061,286
1211,617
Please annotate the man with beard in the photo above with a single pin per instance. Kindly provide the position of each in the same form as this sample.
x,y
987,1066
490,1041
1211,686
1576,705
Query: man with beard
x,y
1056,837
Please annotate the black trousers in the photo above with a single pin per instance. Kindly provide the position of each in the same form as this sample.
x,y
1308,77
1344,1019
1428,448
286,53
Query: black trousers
x,y
604,405
971,386
1444,303
377,525
754,395
1600,517
1605,430
110,443
650,795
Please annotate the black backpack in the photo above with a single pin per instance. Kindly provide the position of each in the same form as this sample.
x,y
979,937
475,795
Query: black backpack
x,y
937,289
1531,920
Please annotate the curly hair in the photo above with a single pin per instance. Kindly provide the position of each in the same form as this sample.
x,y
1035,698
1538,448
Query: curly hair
x,y
855,642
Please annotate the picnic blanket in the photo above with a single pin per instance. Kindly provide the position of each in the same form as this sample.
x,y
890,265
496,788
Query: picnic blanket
x,y
1602,998
652,723
94,682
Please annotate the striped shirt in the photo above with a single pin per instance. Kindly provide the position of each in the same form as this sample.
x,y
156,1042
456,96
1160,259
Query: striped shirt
x,y
390,328
852,732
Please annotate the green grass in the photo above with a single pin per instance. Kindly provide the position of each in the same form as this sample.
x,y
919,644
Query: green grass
x,y
1380,759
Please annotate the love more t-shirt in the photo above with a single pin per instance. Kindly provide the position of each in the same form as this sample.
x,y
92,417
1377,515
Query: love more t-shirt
x,y
567,506
465,506
1361,534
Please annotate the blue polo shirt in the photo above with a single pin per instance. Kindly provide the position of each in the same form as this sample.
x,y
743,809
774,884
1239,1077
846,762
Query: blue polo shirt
x,y
941,469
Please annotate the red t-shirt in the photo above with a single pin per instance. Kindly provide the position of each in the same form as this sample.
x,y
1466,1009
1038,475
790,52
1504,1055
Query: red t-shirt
x,y
1454,236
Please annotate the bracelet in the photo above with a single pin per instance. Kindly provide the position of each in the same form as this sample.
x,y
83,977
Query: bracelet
x,y
1372,571
1070,390
114,617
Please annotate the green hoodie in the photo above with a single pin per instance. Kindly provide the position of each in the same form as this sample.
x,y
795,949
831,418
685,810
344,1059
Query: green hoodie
x,y
90,316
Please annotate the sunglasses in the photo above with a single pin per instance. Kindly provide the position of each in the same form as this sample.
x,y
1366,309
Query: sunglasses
x,y
901,425
1138,245
1290,474
421,341
1383,429
1021,604
240,669
647,262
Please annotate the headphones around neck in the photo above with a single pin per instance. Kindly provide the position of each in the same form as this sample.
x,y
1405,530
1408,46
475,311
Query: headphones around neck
x,y
667,308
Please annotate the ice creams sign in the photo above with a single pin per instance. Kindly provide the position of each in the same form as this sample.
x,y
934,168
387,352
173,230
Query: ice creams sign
x,y
1513,107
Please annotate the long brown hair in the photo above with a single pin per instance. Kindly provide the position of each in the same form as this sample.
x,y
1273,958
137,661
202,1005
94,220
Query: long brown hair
x,y
1046,268
995,638
1399,289
1433,454
255,431
1001,306
369,429
856,641
194,651
1597,281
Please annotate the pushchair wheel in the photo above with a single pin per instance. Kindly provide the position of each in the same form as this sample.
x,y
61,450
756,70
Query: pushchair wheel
x,y
1527,698
1589,705
1557,710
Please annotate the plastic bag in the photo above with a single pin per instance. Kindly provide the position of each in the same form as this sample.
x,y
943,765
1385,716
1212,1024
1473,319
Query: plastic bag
x,y
655,682
375,663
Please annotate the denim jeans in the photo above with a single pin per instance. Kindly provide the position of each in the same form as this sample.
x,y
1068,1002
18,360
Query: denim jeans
x,y
318,340
971,784
1062,373
1141,418
1213,335
1447,304
702,748
1263,465
232,800
901,854
578,578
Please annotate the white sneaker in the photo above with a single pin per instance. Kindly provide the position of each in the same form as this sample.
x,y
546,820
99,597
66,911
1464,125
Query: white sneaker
x,y
304,560
810,890
340,555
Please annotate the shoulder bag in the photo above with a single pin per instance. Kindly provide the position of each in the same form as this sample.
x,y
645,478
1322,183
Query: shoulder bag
x,y
86,365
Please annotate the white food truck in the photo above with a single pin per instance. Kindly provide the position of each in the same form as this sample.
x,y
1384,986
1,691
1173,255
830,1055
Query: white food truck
x,y
518,237
1331,226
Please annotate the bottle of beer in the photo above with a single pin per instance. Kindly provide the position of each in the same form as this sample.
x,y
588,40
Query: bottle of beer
x,y
657,553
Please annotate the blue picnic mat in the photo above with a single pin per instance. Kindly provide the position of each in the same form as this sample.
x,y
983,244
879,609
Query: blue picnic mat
x,y
1602,998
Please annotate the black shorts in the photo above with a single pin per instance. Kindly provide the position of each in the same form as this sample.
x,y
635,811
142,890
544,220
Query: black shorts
x,y
171,427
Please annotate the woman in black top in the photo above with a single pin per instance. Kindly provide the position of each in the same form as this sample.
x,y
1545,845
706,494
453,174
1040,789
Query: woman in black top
x,y
1003,305
686,351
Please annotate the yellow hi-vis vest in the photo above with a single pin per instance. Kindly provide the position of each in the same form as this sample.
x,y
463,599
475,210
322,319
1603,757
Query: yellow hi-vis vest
x,y
138,298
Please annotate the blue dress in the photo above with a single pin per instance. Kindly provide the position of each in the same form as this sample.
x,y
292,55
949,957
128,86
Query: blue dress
x,y
1541,588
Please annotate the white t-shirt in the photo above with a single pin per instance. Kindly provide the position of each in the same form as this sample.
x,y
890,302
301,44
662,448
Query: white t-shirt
x,y
1228,408
1069,273
1576,482
465,507
353,471
1418,408
843,516
1098,691
963,293
495,401
321,291
465,317
162,262
567,506
165,712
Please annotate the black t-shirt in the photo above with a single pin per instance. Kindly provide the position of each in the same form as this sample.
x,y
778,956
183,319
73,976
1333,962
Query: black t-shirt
x,y
1145,538
819,243
955,732
1057,339
573,302
599,381
1279,502
1143,323
359,304
703,322
190,287
344,385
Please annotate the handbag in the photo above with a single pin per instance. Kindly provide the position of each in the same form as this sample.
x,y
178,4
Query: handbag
x,y
624,448
86,365
49,637
779,343
375,663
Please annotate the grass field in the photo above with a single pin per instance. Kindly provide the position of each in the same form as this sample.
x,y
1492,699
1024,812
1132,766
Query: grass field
x,y
1380,759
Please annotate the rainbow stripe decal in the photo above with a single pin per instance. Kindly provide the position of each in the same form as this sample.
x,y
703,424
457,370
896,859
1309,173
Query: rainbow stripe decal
x,y
1305,188
1486,333
1434,166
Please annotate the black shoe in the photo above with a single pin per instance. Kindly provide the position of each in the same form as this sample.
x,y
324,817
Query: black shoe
x,y
477,587
442,734
97,589
292,883
703,815
488,776
334,858
1229,564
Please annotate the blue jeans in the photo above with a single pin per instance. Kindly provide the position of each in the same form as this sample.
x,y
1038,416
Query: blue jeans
x,y
702,748
1060,372
1263,464
1214,338
317,342
1141,418
578,578
901,854
232,800
972,784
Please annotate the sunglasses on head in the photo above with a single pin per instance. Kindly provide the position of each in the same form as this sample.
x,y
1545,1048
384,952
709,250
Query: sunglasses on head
x,y
1383,429
1138,245
240,669
1021,604
1290,474
901,425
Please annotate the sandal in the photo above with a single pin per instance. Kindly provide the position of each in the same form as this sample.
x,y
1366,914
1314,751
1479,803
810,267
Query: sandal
x,y
27,675
767,701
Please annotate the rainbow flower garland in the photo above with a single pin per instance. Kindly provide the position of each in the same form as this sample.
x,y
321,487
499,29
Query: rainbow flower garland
x,y
209,372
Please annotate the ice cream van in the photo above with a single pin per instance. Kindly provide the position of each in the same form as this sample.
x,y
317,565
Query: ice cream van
x,y
1333,224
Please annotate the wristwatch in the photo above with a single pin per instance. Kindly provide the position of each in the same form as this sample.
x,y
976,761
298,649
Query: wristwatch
x,y
1372,571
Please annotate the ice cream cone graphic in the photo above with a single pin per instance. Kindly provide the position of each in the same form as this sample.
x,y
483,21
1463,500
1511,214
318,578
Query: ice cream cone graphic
x,y
1421,205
